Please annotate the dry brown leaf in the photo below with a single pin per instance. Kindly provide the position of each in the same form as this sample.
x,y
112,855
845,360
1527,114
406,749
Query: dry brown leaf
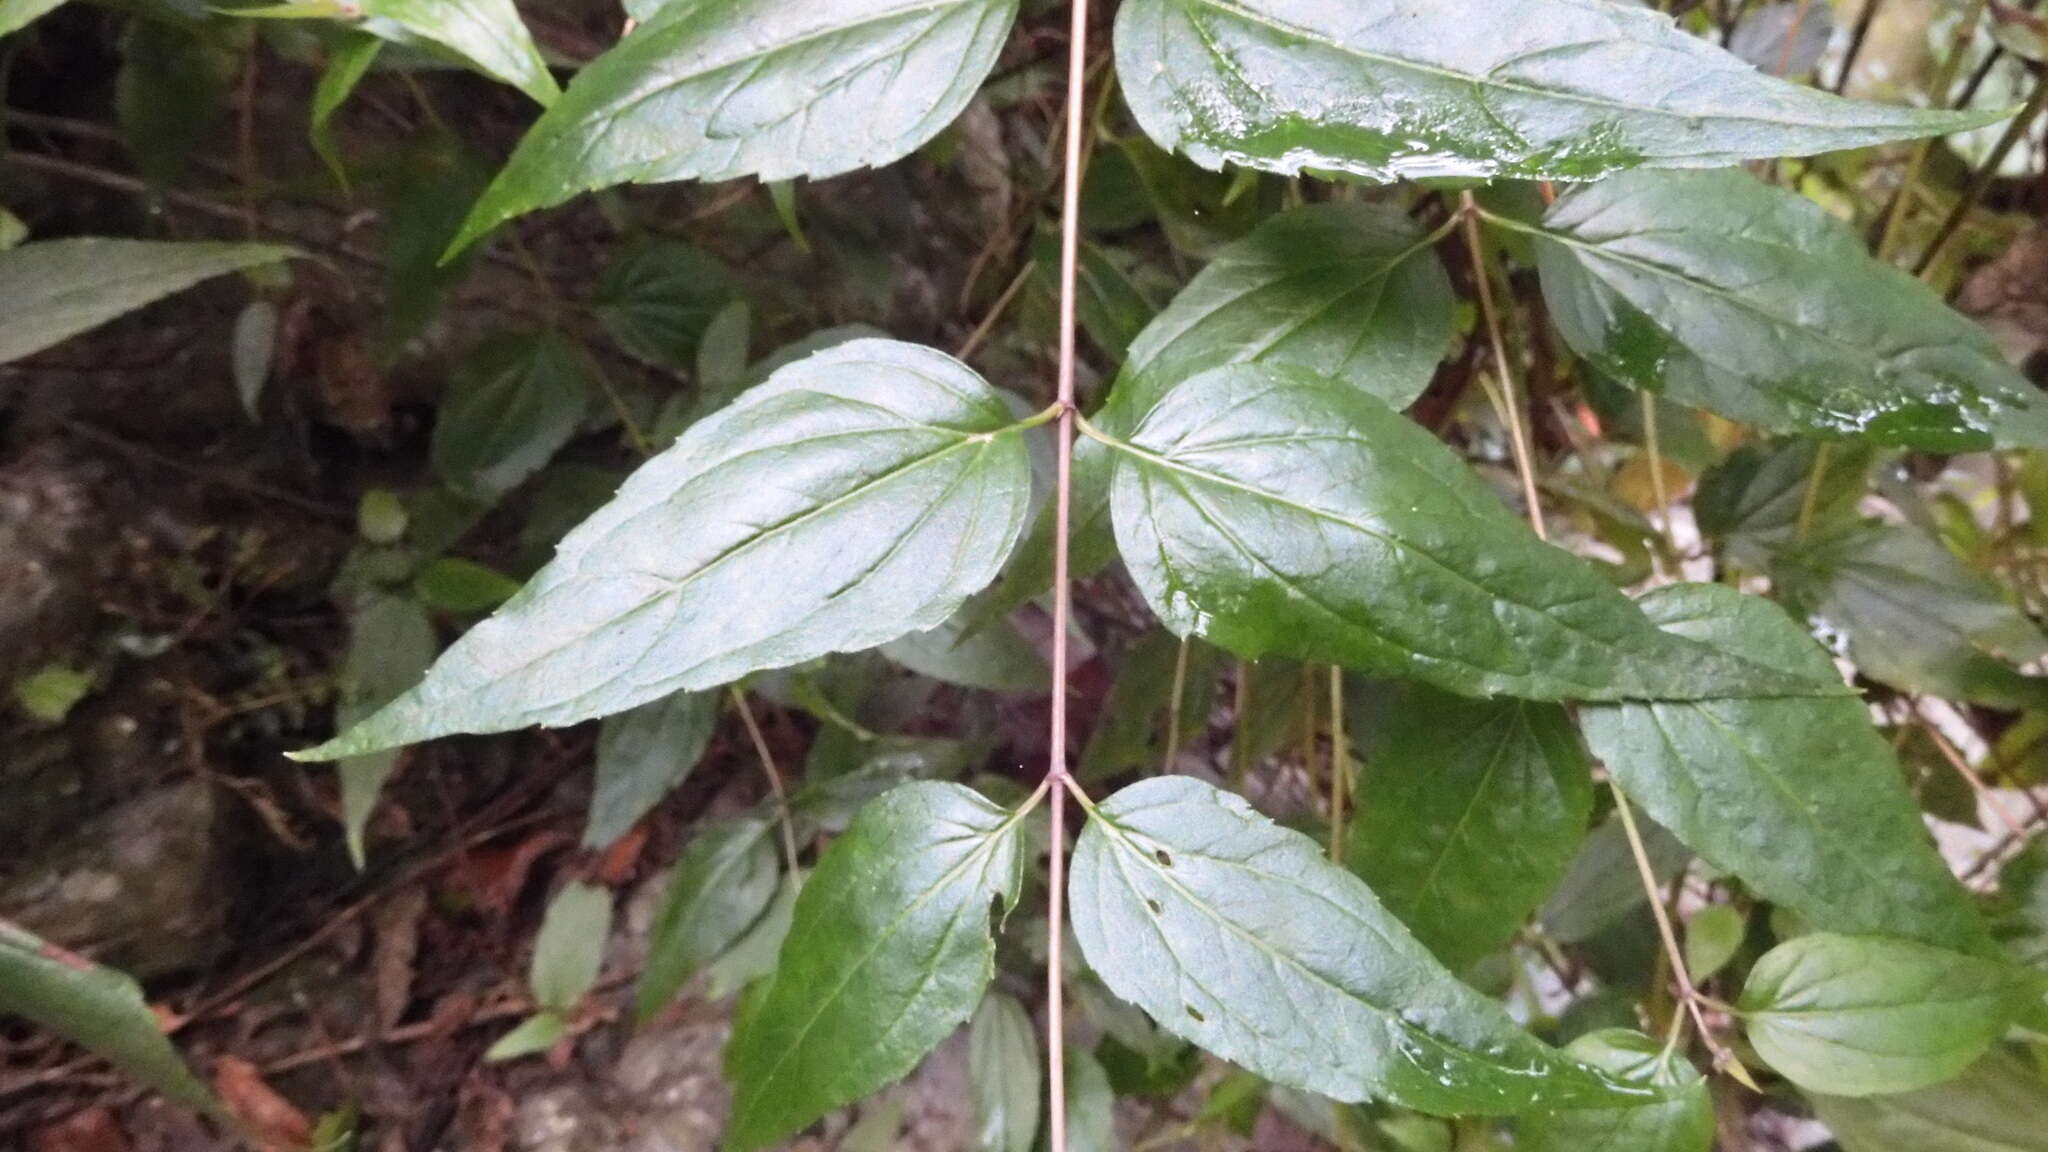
x,y
93,1130
391,964
275,1123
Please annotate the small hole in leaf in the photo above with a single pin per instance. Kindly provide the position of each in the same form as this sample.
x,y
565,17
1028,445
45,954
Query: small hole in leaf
x,y
1196,1013
1160,855
1155,906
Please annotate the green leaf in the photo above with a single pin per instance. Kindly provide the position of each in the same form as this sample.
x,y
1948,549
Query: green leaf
x,y
462,587
391,644
569,950
1683,1122
56,289
98,1008
1132,731
1109,303
1537,89
171,92
16,14
768,88
1242,937
1726,293
721,888
994,657
1999,1105
49,693
890,951
1267,509
1475,811
857,496
642,756
1602,884
1091,1106
752,957
350,61
1002,1062
1800,797
1349,290
486,35
516,401
1866,1015
534,1035
1750,503
657,298
1712,937
1915,617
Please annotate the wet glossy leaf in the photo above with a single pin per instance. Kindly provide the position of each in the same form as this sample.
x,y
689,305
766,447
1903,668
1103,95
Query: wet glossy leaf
x,y
1002,1061
889,953
994,657
1999,1105
16,14
515,402
1242,937
1800,797
1270,510
56,289
720,889
391,645
642,756
870,489
1866,1015
657,299
768,88
570,947
98,1008
1682,1123
1476,809
1726,293
1540,89
1913,616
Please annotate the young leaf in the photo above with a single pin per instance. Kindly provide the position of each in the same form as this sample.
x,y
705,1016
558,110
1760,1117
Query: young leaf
x,y
391,644
1866,1015
720,888
1999,1105
1477,808
1682,1122
857,496
890,951
1537,89
1002,1060
513,405
486,35
16,14
1726,293
1267,509
97,1007
642,756
1712,937
534,1035
1800,797
768,88
656,299
1242,937
346,67
56,289
569,950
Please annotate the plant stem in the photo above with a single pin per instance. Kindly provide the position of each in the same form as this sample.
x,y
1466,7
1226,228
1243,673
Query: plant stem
x,y
1173,704
1508,401
995,312
1653,445
1810,502
1062,597
1673,953
1856,39
1938,94
1981,180
1340,765
789,852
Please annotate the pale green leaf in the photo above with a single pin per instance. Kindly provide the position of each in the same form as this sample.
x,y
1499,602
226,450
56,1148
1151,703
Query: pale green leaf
x,y
1091,1105
351,60
391,644
56,289
859,495
569,950
720,890
1002,1062
642,756
994,657
1712,937
16,14
1999,1105
534,1035
1242,937
486,35
752,957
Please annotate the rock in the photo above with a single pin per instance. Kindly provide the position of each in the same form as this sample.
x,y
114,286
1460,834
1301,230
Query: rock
x,y
564,1118
136,888
47,522
674,1078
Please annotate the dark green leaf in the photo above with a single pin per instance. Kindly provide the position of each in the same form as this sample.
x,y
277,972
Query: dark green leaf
x,y
1602,884
346,67
1110,305
994,657
1476,809
1749,300
859,495
1684,1122
1539,89
1270,510
1999,1105
569,950
1132,731
463,587
767,88
1002,1060
1750,503
56,289
170,93
97,1007
657,299
890,951
1915,617
1868,1015
423,203
642,756
513,405
1242,937
1800,797
722,887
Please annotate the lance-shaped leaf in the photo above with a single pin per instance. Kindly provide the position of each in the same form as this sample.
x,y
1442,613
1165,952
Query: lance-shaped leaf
x,y
1539,89
56,289
1999,1105
890,951
1866,1015
1801,798
642,756
1749,300
1002,1061
719,890
1682,1123
486,35
1476,810
859,495
1268,509
1242,937
97,1007
769,88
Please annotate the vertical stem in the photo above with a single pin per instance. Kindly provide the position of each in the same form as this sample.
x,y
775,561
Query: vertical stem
x,y
1688,994
1653,444
1340,765
1810,502
739,700
1062,600
1173,704
1938,93
1856,39
1510,402
1240,709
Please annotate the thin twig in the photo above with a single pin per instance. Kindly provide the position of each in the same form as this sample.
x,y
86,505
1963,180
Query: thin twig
x,y
982,330
1173,704
1987,172
1938,93
1340,765
1508,400
739,700
1673,953
1856,40
1956,760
